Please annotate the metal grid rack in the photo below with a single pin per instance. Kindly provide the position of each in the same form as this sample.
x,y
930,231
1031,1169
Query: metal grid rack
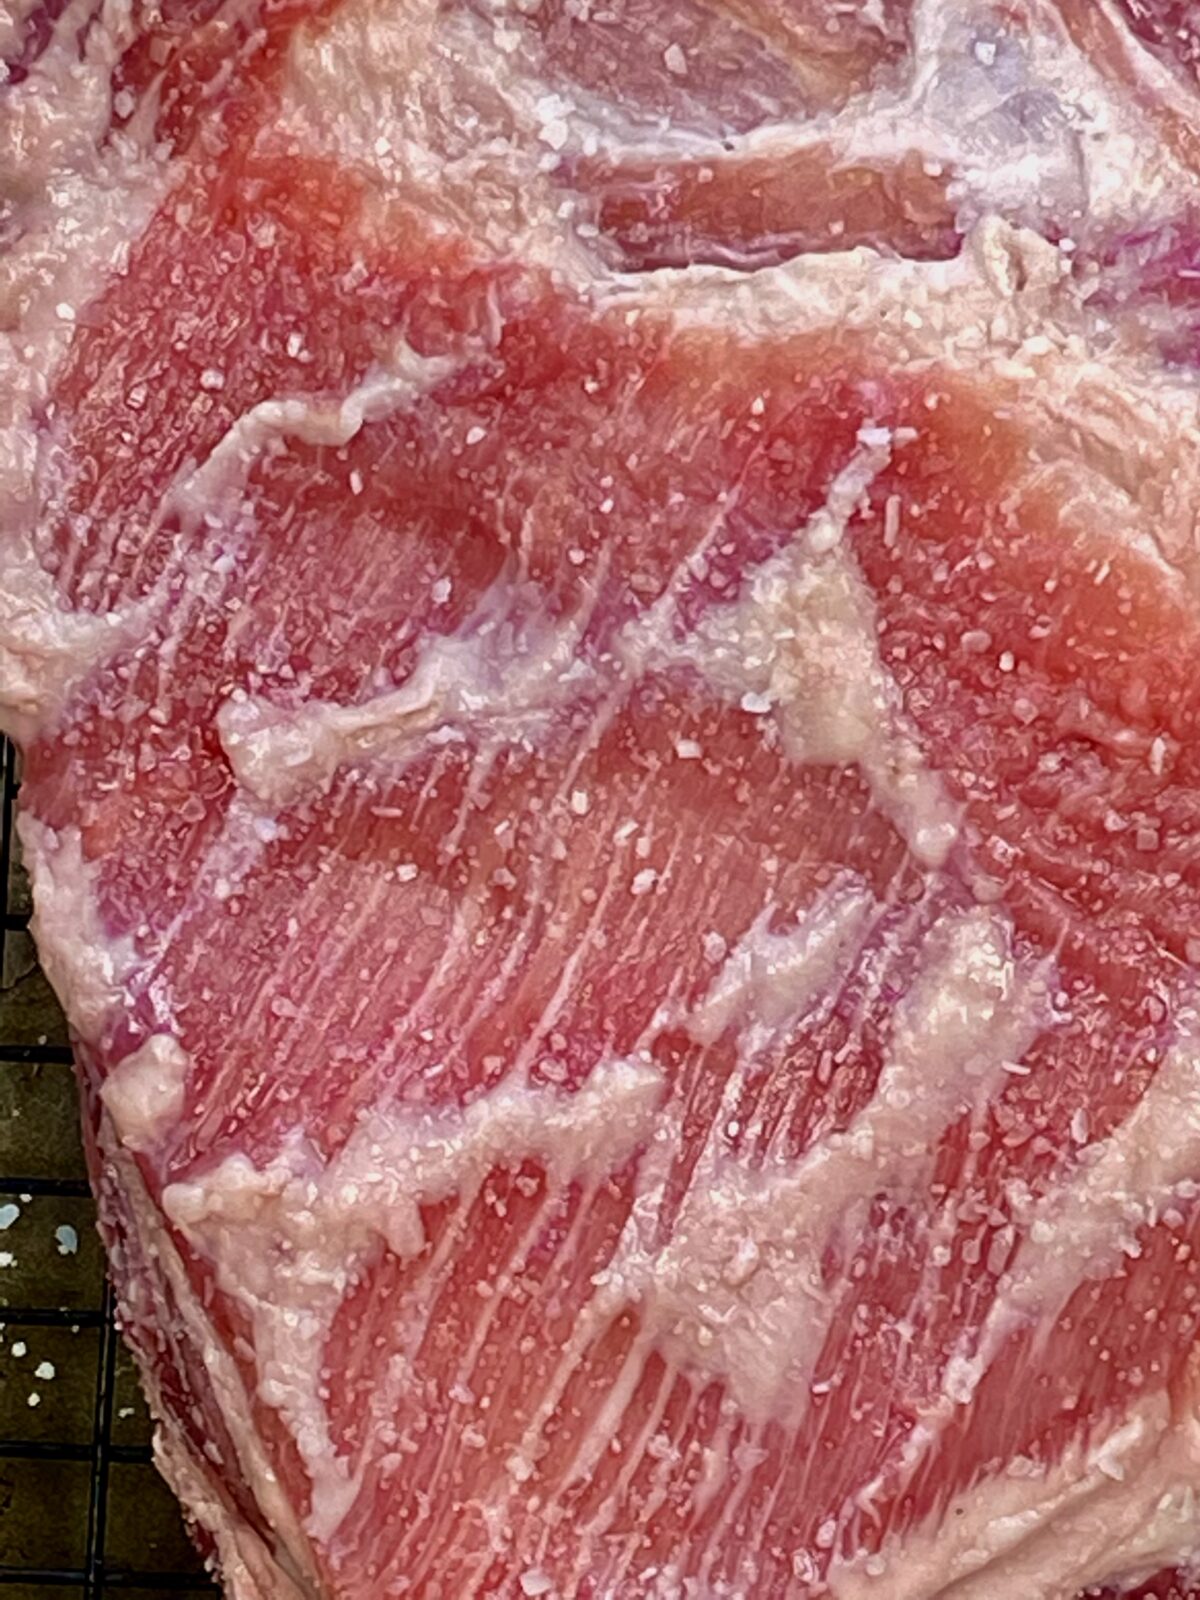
x,y
82,1509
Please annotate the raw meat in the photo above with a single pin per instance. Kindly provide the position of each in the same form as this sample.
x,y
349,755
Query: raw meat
x,y
600,604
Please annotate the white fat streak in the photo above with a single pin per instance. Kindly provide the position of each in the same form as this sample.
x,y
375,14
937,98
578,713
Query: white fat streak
x,y
217,484
1003,289
499,671
1114,1512
770,981
86,967
802,642
288,1239
144,1092
738,1293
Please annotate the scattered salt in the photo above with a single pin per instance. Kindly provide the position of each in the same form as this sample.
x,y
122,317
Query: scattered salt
x,y
687,750
644,881
7,1259
44,1370
535,1583
407,871
35,1399
476,435
675,61
8,1215
441,591
19,1348
68,1239
212,378
756,704
580,804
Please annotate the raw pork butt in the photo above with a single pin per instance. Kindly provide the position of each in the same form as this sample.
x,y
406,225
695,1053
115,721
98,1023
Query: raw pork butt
x,y
600,602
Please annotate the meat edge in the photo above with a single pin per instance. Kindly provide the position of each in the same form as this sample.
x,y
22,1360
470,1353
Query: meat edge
x,y
144,1263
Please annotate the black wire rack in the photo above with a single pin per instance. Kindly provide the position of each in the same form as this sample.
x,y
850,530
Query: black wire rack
x,y
82,1509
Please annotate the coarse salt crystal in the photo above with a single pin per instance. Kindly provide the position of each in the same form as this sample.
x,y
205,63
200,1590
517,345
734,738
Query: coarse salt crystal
x,y
554,133
875,438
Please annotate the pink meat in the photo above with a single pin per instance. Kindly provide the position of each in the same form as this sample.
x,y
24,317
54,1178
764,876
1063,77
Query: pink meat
x,y
600,606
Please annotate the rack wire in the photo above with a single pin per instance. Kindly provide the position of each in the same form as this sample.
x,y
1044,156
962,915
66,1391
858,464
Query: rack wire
x,y
82,1509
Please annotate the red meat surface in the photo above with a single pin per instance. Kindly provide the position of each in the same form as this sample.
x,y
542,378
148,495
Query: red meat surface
x,y
600,602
